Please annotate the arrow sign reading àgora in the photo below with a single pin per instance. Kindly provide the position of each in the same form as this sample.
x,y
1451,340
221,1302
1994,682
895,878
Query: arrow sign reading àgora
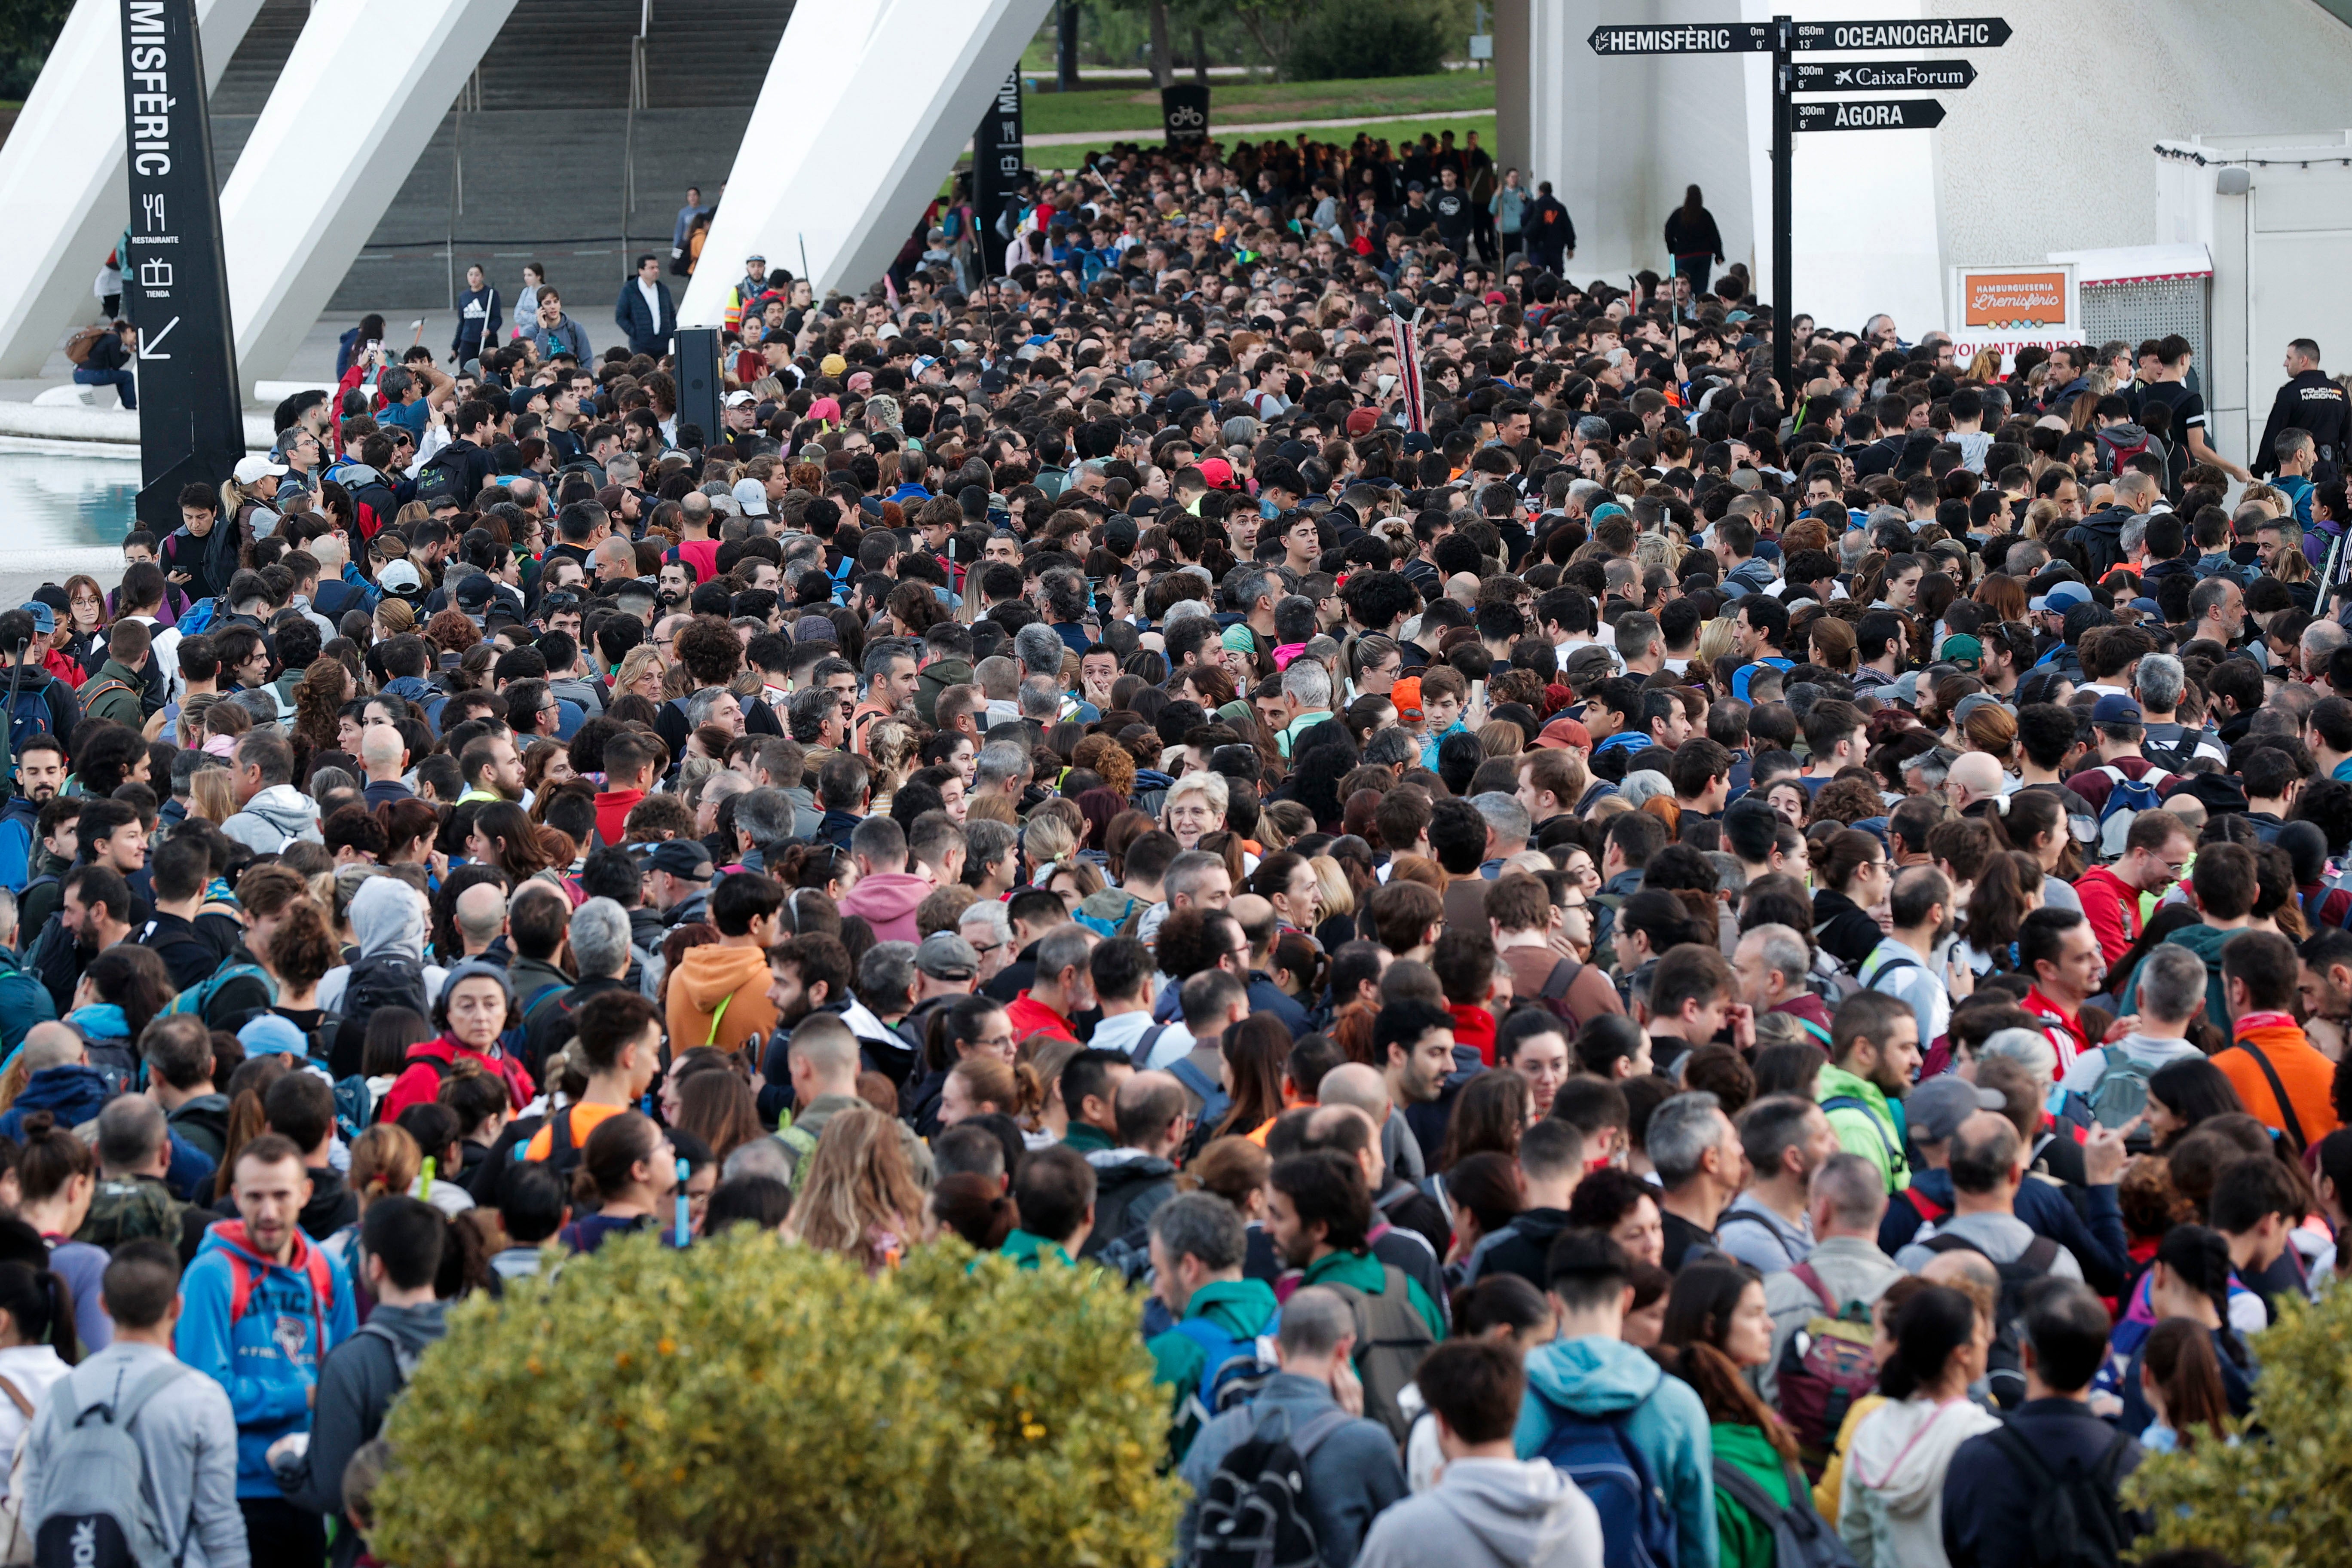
x,y
1688,39
1870,75
1928,33
1869,114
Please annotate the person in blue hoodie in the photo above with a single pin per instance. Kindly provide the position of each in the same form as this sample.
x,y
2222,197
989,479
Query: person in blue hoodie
x,y
261,1307
1590,1372
62,1081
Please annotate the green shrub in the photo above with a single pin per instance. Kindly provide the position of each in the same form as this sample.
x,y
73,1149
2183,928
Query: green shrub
x,y
745,1403
1347,39
2282,1500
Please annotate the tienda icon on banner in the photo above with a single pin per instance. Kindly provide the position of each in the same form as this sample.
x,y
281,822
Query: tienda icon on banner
x,y
2014,299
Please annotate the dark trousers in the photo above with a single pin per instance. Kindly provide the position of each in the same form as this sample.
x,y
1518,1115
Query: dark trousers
x,y
1697,268
280,1535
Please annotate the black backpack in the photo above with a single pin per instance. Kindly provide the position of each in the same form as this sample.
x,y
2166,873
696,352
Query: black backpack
x,y
2076,1520
388,979
2004,1370
1252,1511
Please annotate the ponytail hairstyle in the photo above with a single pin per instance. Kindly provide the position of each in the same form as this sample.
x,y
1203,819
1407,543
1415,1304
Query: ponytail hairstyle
x,y
617,1147
2179,1360
2027,816
2199,1257
246,1085
386,1159
1997,906
1928,1328
1016,1091
51,1158
41,1305
975,1208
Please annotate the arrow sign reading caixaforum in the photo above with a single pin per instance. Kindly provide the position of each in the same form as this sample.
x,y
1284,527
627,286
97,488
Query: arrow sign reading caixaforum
x,y
1688,38
1869,114
1866,76
1930,33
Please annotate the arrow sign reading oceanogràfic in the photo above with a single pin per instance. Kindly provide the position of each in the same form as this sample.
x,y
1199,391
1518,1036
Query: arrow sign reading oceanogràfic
x,y
1867,75
1924,33
1869,114
1686,38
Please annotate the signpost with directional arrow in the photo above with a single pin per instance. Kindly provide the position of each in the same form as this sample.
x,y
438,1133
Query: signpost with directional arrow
x,y
1785,37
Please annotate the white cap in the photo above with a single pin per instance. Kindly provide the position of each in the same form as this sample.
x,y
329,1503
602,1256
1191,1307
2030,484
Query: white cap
x,y
401,578
737,399
249,469
753,497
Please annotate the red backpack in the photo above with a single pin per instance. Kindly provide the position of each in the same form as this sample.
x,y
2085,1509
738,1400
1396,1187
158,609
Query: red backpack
x,y
1825,1366
322,1288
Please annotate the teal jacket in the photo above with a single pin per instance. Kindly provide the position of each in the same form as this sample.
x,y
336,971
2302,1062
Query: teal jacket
x,y
1598,1377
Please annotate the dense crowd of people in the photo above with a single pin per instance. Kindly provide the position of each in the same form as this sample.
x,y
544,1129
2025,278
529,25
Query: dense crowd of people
x,y
1633,967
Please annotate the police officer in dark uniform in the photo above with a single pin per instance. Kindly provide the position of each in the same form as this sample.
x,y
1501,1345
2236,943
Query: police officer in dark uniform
x,y
2309,401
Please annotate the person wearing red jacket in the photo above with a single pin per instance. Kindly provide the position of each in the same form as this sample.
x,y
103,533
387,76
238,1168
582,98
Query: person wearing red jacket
x,y
2157,849
472,1013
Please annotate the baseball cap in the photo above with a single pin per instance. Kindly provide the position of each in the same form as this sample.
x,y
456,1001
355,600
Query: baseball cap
x,y
737,399
1963,651
2061,597
1121,534
1936,1109
683,857
249,469
2116,709
1219,473
947,957
45,619
753,497
1406,695
1363,421
400,577
473,595
1564,733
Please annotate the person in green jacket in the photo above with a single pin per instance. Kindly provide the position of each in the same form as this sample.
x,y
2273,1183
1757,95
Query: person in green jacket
x,y
114,691
1055,1192
1718,1332
1874,1052
1197,1242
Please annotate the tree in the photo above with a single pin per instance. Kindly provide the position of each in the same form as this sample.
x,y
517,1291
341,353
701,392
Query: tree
x,y
747,1404
2280,1497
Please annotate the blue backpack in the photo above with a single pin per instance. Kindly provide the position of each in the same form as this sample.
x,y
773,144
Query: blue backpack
x,y
2127,799
1637,1530
200,617
1214,1100
28,710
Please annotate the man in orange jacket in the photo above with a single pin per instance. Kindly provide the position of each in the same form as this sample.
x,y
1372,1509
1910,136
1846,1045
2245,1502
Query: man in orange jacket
x,y
2279,1074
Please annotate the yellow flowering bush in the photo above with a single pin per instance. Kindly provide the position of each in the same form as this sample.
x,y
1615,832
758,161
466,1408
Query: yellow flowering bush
x,y
2280,1498
747,1403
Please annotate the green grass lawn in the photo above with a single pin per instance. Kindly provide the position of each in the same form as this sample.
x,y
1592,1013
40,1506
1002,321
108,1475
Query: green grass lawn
x,y
1061,157
1130,108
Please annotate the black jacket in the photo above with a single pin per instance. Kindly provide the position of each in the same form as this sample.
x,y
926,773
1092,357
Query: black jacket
x,y
1844,929
1527,1246
1697,239
1126,1195
1987,1520
2309,402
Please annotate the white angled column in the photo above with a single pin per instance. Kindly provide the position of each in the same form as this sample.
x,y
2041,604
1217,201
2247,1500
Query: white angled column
x,y
363,93
62,176
848,180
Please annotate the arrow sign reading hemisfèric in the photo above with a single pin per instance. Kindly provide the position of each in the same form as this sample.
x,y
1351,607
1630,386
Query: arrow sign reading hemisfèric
x,y
1927,33
1868,115
1688,39
1866,76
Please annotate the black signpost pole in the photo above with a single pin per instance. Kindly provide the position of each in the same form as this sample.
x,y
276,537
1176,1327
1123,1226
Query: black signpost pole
x,y
997,156
1784,144
174,281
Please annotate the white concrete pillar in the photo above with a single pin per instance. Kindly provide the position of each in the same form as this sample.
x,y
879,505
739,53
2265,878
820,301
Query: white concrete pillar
x,y
852,179
361,94
815,59
62,176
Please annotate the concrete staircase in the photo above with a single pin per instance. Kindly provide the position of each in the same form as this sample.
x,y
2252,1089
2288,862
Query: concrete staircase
x,y
543,158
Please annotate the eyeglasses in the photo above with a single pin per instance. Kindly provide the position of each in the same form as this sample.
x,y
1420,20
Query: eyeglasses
x,y
984,948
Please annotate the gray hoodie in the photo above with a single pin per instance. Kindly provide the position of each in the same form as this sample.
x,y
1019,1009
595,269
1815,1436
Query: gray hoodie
x,y
275,817
1511,1513
186,1434
387,916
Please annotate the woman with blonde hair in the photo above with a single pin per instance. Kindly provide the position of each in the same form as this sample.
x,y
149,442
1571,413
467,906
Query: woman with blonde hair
x,y
393,619
890,750
1985,369
640,674
386,1159
214,796
1715,642
860,1199
1047,841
